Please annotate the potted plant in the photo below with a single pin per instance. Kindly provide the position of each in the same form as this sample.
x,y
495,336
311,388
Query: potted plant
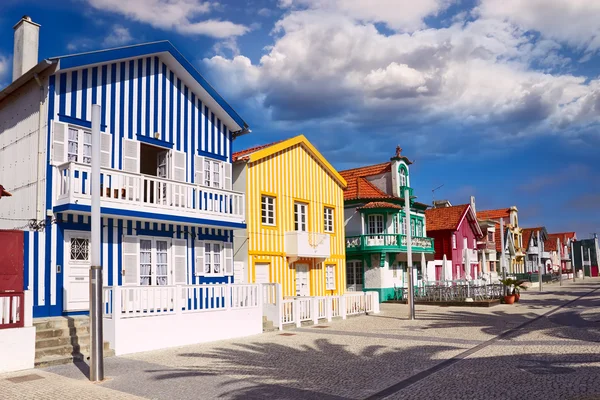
x,y
509,294
517,286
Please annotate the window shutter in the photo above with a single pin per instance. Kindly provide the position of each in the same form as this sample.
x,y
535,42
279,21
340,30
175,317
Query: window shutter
x,y
228,258
179,261
199,244
105,150
131,156
131,262
199,170
226,176
59,142
178,165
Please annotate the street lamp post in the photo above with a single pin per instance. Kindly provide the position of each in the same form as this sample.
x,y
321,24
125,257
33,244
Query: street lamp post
x,y
411,290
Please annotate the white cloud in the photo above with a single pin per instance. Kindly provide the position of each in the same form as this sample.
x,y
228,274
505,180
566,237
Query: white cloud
x,y
118,37
178,15
574,22
400,15
5,67
331,67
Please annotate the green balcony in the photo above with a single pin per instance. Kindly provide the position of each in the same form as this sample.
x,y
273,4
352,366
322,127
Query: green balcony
x,y
386,243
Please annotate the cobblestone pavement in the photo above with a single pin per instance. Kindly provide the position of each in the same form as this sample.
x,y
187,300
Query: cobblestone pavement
x,y
546,346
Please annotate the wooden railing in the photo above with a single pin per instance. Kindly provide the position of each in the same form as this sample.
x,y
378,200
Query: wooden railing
x,y
12,308
146,191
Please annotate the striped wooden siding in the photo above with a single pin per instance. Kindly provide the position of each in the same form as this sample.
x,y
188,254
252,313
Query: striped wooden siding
x,y
294,174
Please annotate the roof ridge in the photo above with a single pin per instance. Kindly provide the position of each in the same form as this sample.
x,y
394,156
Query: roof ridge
x,y
364,167
250,150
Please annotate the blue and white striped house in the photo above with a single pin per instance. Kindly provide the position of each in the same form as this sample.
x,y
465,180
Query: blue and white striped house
x,y
168,209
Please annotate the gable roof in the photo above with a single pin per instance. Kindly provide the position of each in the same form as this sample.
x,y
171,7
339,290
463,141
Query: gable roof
x,y
494,214
139,50
528,232
508,240
359,187
445,218
550,243
380,204
259,152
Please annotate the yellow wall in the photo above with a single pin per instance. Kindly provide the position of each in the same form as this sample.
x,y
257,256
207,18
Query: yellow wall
x,y
293,174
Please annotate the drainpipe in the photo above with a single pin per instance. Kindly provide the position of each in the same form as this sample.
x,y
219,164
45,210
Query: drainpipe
x,y
39,214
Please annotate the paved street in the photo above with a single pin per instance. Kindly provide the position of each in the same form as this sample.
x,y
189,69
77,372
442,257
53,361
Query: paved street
x,y
547,346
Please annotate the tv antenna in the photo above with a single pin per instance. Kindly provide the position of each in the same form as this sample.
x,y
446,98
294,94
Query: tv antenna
x,y
433,194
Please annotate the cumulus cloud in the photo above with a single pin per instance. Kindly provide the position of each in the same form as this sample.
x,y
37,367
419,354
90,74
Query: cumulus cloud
x,y
179,15
324,65
118,37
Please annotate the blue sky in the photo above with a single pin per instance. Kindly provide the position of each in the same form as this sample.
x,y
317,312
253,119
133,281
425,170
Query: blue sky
x,y
499,99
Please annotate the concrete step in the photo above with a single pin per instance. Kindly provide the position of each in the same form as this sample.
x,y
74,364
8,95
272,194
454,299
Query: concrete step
x,y
61,322
42,343
49,361
61,332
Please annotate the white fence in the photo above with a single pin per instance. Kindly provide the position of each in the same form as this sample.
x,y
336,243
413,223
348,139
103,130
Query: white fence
x,y
17,341
147,318
299,309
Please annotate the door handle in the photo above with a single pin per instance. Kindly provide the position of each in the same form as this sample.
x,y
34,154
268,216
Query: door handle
x,y
79,278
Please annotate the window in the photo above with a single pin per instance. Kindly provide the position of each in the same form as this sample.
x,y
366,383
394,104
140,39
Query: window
x,y
474,243
79,147
328,219
300,216
354,273
403,177
454,240
80,249
413,228
330,277
490,236
419,232
212,258
154,262
212,173
267,210
375,224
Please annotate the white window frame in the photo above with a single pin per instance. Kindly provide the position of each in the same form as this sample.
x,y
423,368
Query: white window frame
x,y
268,217
213,173
373,221
209,258
153,259
300,209
81,134
328,213
454,240
402,179
330,277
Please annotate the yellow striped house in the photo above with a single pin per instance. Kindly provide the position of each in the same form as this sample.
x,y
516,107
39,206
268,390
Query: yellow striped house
x,y
295,219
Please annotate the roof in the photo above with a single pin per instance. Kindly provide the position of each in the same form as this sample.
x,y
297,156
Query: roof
x,y
259,152
445,218
380,204
494,214
497,238
550,243
359,187
134,51
527,232
4,192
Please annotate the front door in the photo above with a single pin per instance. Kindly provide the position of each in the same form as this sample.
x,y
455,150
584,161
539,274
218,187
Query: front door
x,y
302,288
262,272
238,272
354,276
76,284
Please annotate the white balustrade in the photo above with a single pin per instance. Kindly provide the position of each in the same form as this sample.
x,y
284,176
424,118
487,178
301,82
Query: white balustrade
x,y
144,191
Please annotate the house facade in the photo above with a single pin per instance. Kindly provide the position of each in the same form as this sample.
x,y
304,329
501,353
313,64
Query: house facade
x,y
376,225
488,246
586,256
295,227
516,262
167,204
559,246
456,233
536,253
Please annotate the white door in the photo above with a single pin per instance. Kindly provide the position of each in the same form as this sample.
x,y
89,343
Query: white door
x,y
77,271
354,276
262,272
302,288
238,272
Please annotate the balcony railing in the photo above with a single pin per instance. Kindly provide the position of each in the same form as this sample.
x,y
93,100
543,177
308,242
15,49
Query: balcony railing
x,y
125,190
387,242
307,244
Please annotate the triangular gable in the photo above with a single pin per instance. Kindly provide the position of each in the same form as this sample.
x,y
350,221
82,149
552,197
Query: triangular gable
x,y
303,141
470,214
176,62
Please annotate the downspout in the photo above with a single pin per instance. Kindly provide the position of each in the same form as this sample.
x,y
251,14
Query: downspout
x,y
39,215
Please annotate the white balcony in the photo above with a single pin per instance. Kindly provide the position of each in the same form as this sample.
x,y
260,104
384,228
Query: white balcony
x,y
122,190
307,244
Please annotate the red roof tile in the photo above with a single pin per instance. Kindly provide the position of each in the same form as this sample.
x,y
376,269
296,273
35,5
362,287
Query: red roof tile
x,y
242,154
494,214
380,204
527,232
550,244
444,218
361,188
497,238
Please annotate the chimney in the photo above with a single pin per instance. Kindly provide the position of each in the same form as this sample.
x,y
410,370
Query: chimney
x,y
473,204
25,55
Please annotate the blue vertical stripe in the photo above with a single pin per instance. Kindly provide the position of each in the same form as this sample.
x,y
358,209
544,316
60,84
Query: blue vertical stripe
x,y
171,106
26,260
130,105
73,93
156,100
129,228
113,96
206,133
185,119
121,112
62,88
139,98
212,134
192,152
178,114
84,94
219,137
163,117
103,99
94,85
148,69
111,247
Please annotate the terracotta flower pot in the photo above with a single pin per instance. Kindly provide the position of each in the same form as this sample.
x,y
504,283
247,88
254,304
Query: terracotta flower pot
x,y
510,299
517,297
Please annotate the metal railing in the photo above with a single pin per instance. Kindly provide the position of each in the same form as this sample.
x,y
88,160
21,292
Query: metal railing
x,y
453,292
364,242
